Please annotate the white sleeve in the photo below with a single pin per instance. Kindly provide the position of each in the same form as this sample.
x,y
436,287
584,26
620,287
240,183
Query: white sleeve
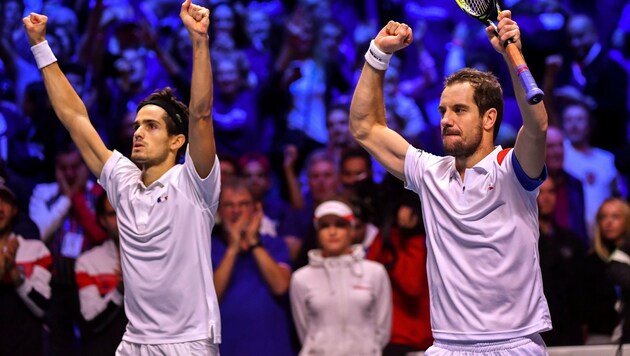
x,y
48,218
383,306
38,281
117,173
204,190
298,307
413,168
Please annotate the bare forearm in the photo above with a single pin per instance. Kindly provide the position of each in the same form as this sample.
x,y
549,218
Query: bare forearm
x,y
531,139
367,108
223,273
534,116
201,84
200,132
293,185
277,277
65,101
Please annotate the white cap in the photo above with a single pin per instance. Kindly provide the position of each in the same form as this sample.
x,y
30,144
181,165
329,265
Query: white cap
x,y
334,207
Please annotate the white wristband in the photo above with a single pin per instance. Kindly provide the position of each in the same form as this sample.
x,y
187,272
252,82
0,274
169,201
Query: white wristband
x,y
376,58
43,55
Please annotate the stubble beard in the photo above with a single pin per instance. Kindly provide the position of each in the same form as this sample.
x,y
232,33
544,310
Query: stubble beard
x,y
460,149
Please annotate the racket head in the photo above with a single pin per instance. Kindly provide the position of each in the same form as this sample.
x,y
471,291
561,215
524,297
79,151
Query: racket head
x,y
481,10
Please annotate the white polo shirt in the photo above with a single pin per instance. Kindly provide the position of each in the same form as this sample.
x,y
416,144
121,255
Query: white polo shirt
x,y
482,241
165,231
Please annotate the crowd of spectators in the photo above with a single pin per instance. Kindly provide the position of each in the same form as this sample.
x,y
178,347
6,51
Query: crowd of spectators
x,y
284,73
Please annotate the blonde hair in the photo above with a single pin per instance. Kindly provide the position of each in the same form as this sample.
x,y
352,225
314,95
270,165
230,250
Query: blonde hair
x,y
598,244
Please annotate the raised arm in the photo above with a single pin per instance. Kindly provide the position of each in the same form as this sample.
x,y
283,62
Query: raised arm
x,y
367,112
65,101
530,142
200,132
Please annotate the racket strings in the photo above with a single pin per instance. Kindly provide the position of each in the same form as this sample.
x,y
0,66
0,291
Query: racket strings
x,y
478,7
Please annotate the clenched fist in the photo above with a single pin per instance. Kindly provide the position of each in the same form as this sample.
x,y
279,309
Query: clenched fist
x,y
393,37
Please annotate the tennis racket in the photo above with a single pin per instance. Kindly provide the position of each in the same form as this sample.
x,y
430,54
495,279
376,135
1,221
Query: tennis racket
x,y
482,10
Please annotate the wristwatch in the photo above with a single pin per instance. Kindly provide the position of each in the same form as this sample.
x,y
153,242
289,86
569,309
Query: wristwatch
x,y
256,245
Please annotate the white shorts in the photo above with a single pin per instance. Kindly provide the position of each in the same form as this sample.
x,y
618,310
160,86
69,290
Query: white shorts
x,y
192,348
532,345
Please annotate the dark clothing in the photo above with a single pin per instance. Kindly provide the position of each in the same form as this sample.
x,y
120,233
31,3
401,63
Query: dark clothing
x,y
20,330
569,212
562,258
103,339
605,81
600,297
618,270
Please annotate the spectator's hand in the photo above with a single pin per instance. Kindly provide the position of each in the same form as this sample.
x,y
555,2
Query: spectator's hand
x,y
393,37
553,63
9,251
253,226
236,232
35,25
407,218
507,29
81,179
64,186
290,156
196,19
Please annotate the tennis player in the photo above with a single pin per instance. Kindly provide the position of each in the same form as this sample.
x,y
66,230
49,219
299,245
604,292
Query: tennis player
x,y
165,210
479,202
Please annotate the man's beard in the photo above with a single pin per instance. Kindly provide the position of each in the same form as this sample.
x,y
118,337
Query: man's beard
x,y
460,149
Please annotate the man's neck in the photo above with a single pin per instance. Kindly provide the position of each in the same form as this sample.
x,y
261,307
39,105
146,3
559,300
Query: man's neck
x,y
152,173
463,163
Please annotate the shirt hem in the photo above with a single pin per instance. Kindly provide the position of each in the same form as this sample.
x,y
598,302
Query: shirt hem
x,y
490,336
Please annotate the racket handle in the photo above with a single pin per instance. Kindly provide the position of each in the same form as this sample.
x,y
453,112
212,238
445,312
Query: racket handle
x,y
532,91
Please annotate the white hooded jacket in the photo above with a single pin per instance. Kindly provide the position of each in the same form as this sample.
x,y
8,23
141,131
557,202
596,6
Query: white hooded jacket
x,y
342,305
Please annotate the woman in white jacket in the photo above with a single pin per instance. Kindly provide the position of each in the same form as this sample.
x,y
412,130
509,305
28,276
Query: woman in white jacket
x,y
341,302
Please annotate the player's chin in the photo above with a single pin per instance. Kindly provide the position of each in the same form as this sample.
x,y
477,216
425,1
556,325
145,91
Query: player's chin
x,y
138,158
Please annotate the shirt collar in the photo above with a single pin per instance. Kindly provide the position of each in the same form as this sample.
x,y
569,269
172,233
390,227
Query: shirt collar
x,y
482,167
160,182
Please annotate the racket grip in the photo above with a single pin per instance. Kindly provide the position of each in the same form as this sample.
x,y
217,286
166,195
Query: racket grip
x,y
533,93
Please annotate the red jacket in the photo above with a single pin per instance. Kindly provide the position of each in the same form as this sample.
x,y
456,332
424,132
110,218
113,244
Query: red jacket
x,y
410,289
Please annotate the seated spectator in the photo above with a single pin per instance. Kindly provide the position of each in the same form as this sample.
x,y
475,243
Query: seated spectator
x,y
611,231
562,267
24,284
401,248
618,270
256,172
251,277
593,166
101,288
569,211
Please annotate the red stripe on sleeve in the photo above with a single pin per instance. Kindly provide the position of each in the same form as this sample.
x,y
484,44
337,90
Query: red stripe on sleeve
x,y
502,154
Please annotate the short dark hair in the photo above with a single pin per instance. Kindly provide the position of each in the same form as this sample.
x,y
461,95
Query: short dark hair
x,y
99,206
176,117
357,152
488,93
238,184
